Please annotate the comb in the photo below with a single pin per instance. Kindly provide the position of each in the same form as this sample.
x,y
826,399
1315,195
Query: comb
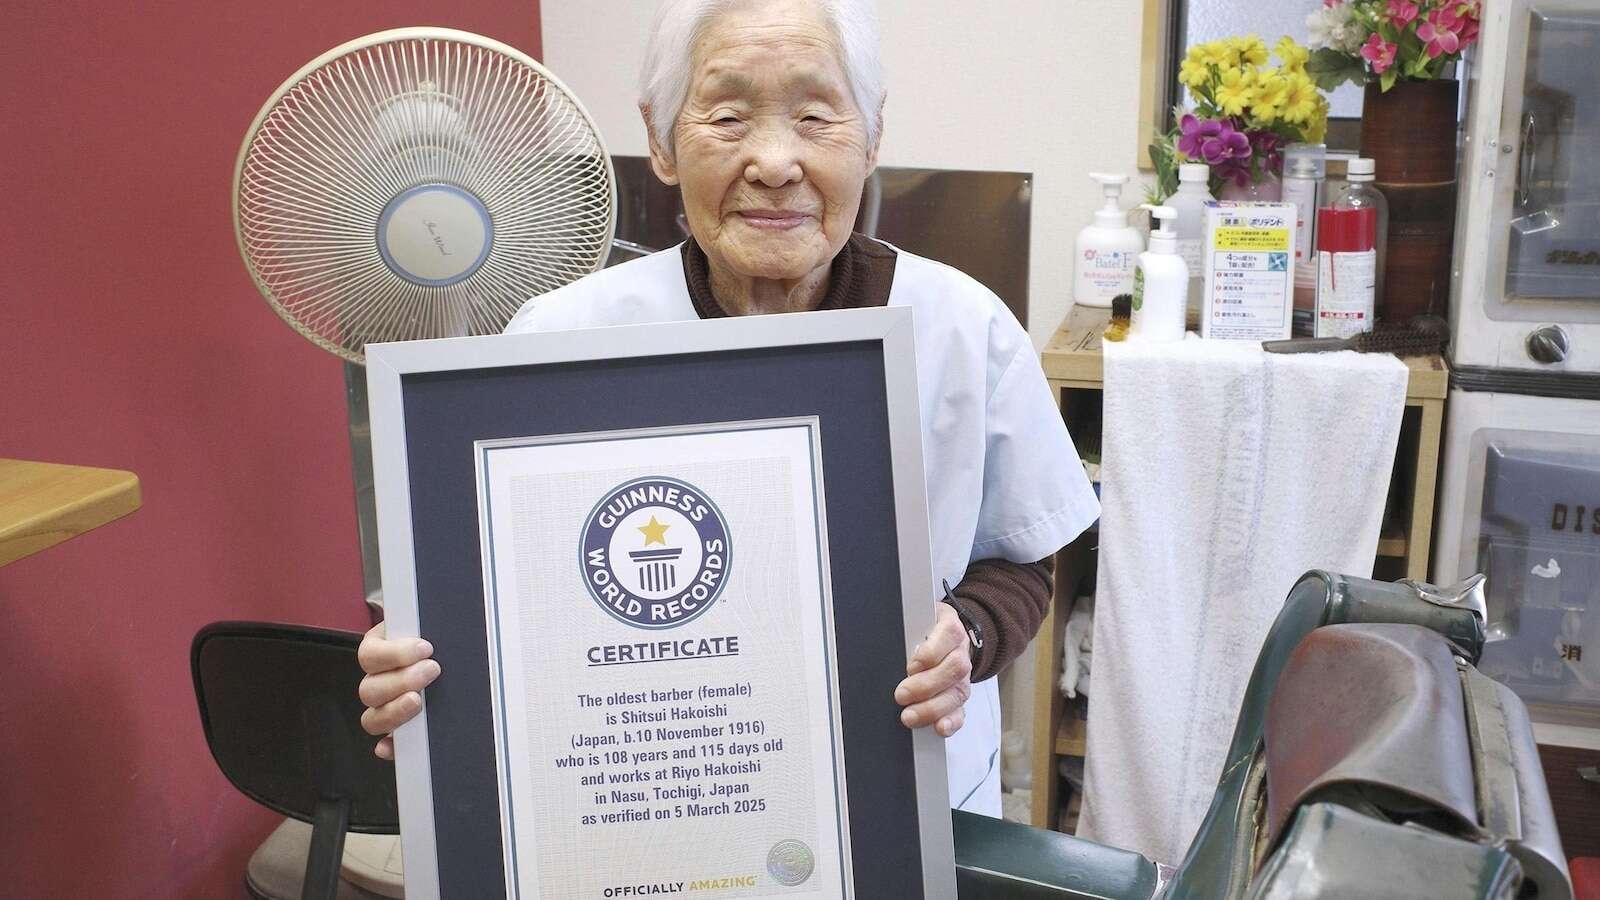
x,y
1424,336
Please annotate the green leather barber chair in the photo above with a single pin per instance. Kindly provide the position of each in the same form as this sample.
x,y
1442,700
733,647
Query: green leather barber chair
x,y
1416,777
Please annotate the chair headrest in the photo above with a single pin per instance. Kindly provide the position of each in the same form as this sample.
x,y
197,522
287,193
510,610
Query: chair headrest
x,y
282,716
1384,722
1374,710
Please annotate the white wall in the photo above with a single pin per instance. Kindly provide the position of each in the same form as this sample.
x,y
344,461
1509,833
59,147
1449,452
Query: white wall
x,y
1049,87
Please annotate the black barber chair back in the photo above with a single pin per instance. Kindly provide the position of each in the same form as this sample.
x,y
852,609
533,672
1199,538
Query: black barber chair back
x,y
1370,760
283,720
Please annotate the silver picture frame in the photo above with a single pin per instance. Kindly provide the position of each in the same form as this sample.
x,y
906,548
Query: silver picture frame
x,y
389,365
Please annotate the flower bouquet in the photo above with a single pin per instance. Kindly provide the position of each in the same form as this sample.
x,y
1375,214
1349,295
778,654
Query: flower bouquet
x,y
1385,41
1401,50
1245,111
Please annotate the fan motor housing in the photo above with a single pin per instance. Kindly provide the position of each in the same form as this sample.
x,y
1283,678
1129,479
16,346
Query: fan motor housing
x,y
435,234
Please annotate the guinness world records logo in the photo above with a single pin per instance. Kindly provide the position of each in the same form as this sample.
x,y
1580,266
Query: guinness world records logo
x,y
655,552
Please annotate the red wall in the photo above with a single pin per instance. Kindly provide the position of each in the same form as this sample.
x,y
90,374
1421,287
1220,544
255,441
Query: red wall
x,y
131,337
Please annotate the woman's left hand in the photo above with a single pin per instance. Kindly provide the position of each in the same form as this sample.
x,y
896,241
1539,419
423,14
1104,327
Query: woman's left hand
x,y
938,677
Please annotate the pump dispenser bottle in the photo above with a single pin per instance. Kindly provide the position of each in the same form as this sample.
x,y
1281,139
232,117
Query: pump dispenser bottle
x,y
1106,249
1160,283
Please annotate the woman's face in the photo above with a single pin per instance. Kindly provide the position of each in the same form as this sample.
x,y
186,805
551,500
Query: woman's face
x,y
770,150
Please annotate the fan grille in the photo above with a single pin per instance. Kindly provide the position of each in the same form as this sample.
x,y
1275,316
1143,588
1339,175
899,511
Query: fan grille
x,y
482,131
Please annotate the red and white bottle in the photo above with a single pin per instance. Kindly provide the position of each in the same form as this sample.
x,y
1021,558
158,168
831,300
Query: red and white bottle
x,y
1347,271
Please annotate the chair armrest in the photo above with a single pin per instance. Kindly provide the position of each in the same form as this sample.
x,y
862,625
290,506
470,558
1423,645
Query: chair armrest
x,y
999,860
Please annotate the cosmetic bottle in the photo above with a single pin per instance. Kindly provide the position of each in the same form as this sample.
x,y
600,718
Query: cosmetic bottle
x,y
1106,249
1190,202
1160,284
1305,168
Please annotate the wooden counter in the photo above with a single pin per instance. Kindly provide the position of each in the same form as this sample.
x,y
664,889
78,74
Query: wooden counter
x,y
43,504
1072,358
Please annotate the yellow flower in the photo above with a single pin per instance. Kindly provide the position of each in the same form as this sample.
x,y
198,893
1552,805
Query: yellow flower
x,y
1194,71
1215,53
1252,50
1300,102
1292,55
1235,91
1317,129
1270,94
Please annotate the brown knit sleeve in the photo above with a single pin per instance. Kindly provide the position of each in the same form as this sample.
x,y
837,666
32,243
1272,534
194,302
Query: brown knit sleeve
x,y
1008,601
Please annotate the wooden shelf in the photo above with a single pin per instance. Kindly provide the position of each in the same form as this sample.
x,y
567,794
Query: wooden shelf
x,y
1072,733
1073,357
1392,542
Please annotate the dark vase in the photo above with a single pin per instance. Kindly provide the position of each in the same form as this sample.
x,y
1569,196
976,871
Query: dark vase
x,y
1410,134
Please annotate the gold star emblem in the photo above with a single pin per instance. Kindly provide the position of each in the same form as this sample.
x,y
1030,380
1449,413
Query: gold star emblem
x,y
655,532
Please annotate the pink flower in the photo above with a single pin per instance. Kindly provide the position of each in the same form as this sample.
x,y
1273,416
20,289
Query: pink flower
x,y
1401,12
1469,14
1439,31
1330,4
1379,52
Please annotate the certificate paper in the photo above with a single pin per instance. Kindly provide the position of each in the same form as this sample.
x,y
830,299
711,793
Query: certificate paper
x,y
661,654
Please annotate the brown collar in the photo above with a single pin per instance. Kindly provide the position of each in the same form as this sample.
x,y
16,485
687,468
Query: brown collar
x,y
861,276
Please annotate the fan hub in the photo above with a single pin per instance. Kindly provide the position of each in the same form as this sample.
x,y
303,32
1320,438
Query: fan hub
x,y
435,235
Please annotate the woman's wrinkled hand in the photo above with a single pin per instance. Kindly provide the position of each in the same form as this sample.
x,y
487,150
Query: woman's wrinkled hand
x,y
397,671
938,677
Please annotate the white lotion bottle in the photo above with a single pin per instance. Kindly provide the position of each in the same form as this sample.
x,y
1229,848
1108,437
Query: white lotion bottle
x,y
1190,202
1106,249
1160,284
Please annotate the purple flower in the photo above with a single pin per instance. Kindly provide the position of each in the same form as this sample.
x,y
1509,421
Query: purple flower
x,y
1212,141
1235,170
1268,146
1192,132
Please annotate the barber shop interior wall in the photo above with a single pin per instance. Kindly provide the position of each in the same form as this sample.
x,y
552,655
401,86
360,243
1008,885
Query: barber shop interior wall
x,y
131,337
1043,86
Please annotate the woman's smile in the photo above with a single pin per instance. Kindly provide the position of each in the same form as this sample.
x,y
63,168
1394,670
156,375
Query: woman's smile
x,y
773,219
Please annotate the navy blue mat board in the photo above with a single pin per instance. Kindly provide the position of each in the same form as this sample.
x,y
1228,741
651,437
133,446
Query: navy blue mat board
x,y
843,385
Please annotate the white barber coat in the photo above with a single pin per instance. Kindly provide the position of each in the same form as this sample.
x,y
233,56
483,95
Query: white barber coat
x,y
1003,478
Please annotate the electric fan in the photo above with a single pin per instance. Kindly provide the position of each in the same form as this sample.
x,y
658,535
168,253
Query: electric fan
x,y
419,183
415,183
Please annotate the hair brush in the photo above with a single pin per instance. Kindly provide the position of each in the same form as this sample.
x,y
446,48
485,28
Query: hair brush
x,y
1424,336
1121,314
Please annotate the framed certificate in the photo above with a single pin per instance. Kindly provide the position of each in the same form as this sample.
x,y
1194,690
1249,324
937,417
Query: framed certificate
x,y
672,573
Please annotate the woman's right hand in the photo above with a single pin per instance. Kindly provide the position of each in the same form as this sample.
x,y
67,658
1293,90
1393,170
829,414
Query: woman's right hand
x,y
397,671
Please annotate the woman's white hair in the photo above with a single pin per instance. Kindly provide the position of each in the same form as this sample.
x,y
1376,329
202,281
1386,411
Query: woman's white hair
x,y
664,82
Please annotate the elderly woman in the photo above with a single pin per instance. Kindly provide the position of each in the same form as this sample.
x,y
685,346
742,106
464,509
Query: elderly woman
x,y
767,115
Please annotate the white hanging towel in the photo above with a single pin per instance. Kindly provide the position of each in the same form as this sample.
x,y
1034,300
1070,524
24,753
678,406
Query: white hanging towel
x,y
1227,473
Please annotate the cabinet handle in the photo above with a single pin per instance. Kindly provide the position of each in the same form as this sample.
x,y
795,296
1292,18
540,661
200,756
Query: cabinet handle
x,y
1527,159
1590,774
